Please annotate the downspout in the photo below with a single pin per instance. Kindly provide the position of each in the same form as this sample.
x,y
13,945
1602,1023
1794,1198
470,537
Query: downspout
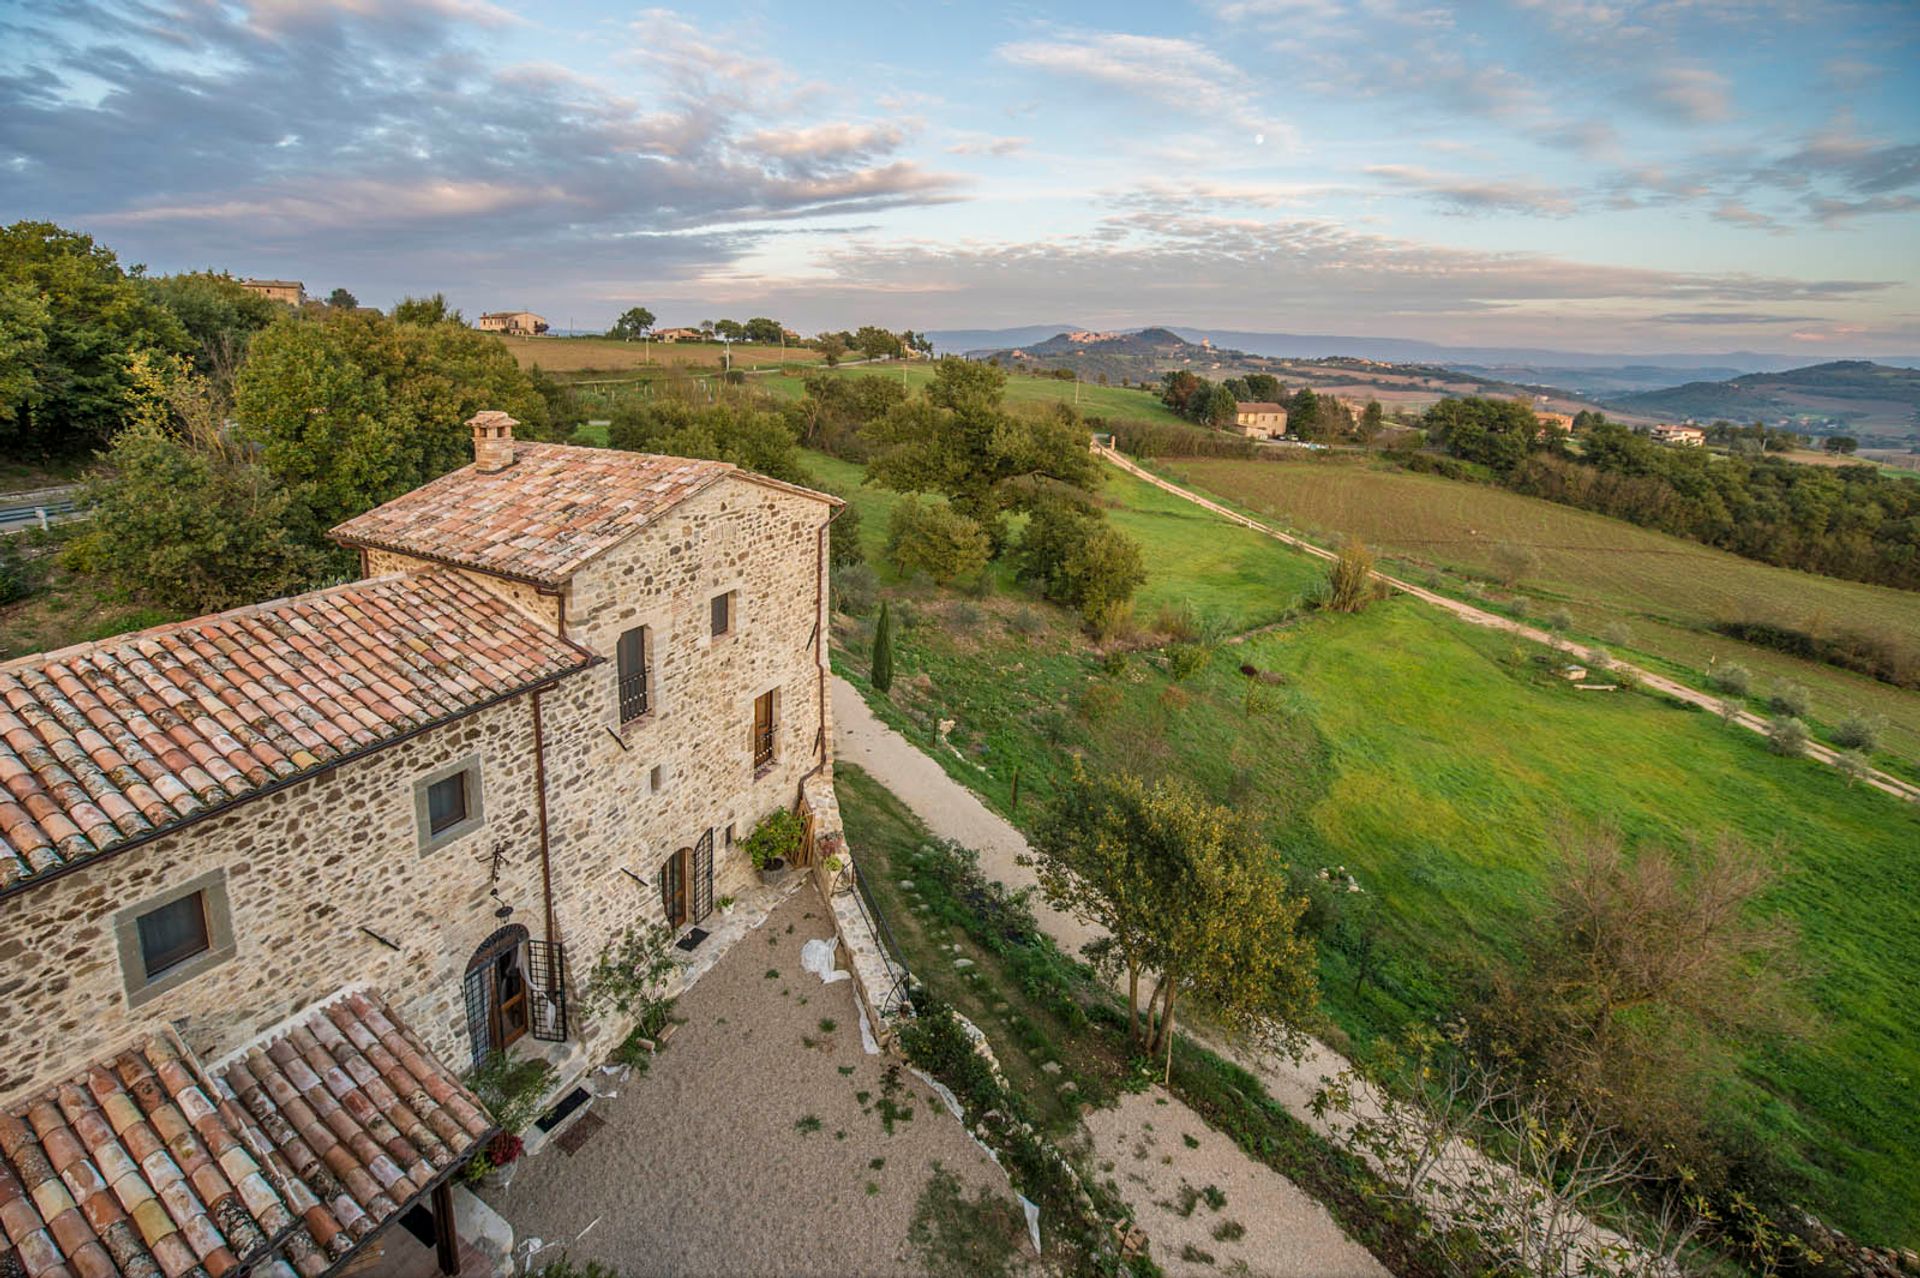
x,y
540,800
823,621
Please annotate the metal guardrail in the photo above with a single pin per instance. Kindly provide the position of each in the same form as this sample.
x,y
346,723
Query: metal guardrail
x,y
895,996
40,513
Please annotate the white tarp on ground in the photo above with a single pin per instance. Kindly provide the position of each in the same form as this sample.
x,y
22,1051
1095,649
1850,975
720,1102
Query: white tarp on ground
x,y
817,957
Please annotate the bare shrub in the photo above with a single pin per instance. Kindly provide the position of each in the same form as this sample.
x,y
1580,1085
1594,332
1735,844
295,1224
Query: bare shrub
x,y
1350,584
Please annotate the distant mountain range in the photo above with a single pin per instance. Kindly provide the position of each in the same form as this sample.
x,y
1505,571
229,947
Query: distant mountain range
x,y
1598,376
1857,394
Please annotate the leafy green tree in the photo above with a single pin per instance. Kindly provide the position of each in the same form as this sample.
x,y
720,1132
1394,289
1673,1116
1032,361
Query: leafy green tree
x,y
1840,444
769,332
1220,408
934,538
1498,433
1178,388
1373,419
1186,893
182,516
883,649
1076,559
340,299
352,409
1264,387
426,310
74,320
957,440
748,436
220,315
636,321
730,330
878,343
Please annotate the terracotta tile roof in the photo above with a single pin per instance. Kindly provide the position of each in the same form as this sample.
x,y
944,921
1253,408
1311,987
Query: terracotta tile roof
x,y
144,1165
1259,406
117,740
541,518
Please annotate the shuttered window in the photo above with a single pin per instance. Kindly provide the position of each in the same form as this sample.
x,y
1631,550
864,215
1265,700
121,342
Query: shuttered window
x,y
632,661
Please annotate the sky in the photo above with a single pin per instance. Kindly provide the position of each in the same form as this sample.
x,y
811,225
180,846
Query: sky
x,y
1599,175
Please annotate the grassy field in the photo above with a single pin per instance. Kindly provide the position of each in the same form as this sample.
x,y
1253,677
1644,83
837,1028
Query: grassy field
x,y
1666,590
575,355
1437,762
1093,400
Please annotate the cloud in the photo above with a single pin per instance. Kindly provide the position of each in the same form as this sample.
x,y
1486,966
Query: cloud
x,y
1475,195
1162,70
1689,94
1734,213
1715,319
349,130
988,144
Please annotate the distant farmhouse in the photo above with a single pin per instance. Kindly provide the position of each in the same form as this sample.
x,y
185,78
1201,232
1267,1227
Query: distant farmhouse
x,y
1684,436
513,323
292,292
1547,418
1259,419
681,335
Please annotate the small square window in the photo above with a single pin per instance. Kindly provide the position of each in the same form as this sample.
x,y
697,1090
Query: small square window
x,y
174,933
446,803
658,777
722,610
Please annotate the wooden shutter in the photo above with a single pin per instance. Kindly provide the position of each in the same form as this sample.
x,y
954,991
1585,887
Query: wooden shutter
x,y
631,653
703,877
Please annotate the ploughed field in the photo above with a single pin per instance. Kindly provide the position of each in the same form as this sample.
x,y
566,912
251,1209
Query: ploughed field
x,y
1437,761
1666,590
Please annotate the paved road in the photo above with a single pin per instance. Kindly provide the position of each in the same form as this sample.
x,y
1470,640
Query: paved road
x,y
1481,617
1317,1247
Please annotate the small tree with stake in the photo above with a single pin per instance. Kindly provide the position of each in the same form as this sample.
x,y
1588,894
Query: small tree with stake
x,y
883,650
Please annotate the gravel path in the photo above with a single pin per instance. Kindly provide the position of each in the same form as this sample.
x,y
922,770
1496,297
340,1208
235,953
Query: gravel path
x,y
707,1165
1305,1239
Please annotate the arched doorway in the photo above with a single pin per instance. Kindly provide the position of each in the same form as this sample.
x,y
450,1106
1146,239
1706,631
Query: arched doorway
x,y
496,991
686,883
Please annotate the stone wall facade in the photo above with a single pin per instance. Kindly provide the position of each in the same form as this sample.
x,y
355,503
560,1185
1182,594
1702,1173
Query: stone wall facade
x,y
308,872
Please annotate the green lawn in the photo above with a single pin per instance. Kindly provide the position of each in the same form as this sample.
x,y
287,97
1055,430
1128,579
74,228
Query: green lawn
x,y
1421,754
1666,590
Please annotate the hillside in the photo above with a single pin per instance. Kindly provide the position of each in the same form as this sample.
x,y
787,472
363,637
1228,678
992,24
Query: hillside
x,y
1859,396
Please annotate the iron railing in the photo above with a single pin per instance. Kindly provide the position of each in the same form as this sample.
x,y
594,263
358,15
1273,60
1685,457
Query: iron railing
x,y
633,696
762,746
895,999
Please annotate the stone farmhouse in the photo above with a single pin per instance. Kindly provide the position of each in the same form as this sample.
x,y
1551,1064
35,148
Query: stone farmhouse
x,y
1683,436
270,880
682,335
513,323
1259,419
292,292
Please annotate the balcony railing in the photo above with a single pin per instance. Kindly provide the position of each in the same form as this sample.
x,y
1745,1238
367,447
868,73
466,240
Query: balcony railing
x,y
762,746
633,697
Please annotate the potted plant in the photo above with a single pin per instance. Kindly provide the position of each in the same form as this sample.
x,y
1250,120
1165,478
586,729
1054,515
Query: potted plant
x,y
773,843
726,904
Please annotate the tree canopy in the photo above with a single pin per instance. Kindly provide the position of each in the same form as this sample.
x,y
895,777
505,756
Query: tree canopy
x,y
635,321
220,314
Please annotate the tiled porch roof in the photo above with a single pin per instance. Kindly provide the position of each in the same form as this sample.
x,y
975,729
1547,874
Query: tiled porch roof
x,y
538,520
280,1163
121,739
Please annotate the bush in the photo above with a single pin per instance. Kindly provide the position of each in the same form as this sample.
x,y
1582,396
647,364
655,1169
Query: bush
x,y
1511,563
1618,633
1859,732
777,837
1787,735
511,1087
1179,622
1350,584
855,589
1734,679
1559,621
1078,560
936,539
843,539
1788,699
1185,660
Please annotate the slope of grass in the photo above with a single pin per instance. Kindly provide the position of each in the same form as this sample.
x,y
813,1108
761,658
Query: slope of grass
x,y
1438,763
1666,590
577,355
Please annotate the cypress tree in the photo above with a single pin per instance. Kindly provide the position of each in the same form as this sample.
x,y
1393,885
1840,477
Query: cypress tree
x,y
883,649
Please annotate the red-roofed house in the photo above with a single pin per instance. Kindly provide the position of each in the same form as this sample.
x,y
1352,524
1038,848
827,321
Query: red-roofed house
x,y
568,683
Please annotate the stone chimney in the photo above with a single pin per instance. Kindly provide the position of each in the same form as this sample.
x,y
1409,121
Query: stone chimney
x,y
492,440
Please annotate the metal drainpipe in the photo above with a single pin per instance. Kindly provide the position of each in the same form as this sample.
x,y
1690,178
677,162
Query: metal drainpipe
x,y
540,799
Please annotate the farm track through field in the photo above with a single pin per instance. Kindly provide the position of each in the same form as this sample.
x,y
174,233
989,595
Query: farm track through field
x,y
1481,617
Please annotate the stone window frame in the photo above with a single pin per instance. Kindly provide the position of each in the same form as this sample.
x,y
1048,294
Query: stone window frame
x,y
476,804
736,613
772,765
657,624
211,888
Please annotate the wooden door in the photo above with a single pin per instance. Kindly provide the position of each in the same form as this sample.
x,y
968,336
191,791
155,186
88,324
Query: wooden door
x,y
508,1003
673,887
